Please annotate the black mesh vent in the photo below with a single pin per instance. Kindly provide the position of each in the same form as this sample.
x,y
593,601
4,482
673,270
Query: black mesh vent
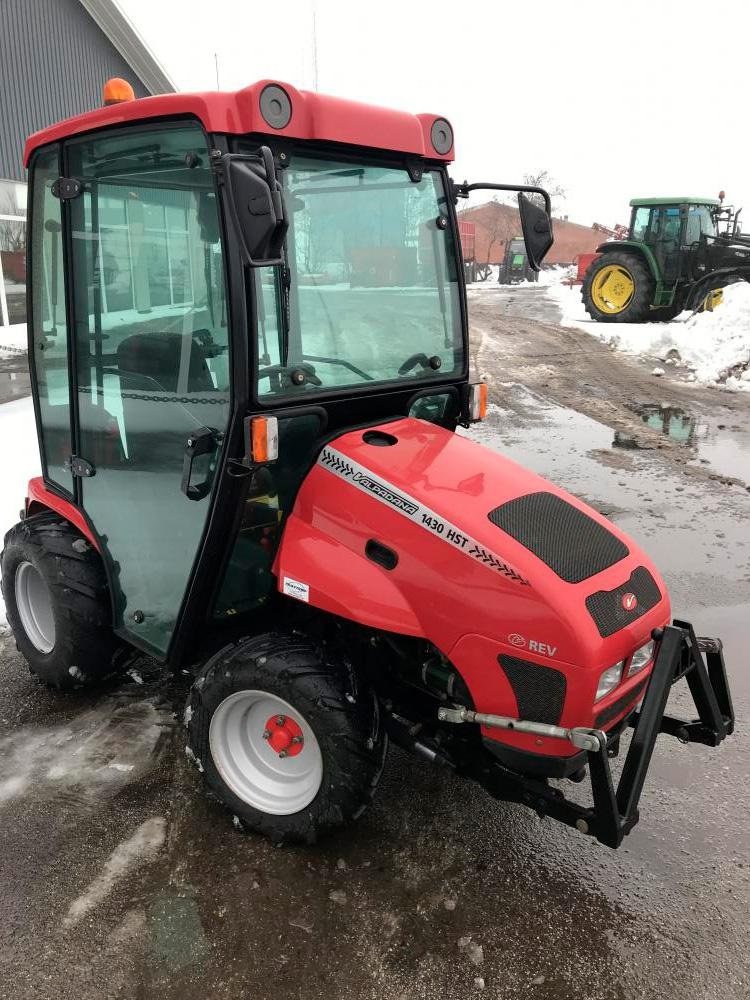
x,y
612,711
605,606
539,691
571,543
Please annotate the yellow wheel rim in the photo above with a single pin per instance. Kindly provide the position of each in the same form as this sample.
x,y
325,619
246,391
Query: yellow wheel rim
x,y
612,289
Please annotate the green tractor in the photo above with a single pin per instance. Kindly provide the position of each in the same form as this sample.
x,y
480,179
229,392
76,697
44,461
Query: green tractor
x,y
678,254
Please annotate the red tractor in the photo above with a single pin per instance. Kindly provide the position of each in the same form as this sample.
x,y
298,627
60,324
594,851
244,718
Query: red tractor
x,y
250,470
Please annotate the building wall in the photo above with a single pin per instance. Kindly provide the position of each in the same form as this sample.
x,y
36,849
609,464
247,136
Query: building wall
x,y
496,223
53,62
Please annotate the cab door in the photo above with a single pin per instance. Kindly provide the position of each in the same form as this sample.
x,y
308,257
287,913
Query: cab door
x,y
152,371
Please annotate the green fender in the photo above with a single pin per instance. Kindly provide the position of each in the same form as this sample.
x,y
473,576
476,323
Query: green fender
x,y
640,248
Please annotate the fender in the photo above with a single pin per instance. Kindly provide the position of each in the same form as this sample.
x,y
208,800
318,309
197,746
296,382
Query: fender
x,y
633,246
39,496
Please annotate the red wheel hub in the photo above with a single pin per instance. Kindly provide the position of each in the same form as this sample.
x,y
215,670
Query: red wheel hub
x,y
284,736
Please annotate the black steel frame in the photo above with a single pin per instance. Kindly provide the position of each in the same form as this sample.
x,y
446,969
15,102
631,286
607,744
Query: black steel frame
x,y
615,809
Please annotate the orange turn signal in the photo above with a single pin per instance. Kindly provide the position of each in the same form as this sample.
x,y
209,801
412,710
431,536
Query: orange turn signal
x,y
477,401
264,439
117,90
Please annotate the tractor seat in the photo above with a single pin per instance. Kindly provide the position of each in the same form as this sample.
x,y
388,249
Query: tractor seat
x,y
156,357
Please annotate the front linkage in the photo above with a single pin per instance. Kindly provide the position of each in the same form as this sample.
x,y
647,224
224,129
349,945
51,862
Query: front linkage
x,y
615,811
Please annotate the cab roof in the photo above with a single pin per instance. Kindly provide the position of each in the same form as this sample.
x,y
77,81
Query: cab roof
x,y
314,117
688,200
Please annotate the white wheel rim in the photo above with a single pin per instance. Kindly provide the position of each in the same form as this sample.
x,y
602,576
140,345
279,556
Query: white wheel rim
x,y
34,603
251,767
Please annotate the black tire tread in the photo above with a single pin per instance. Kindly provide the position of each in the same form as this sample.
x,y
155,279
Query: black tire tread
x,y
639,307
75,575
324,688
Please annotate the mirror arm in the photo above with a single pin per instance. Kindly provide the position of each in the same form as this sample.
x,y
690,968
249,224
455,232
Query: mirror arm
x,y
464,190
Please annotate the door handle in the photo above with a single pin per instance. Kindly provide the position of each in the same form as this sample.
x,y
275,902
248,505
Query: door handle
x,y
201,441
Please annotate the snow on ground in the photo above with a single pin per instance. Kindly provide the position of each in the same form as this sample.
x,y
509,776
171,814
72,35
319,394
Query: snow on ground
x,y
716,346
20,460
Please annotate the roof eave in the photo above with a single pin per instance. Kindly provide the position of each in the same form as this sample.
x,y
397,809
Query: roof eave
x,y
129,44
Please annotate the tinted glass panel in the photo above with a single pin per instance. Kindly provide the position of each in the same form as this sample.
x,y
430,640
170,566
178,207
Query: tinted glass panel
x,y
373,278
49,324
151,327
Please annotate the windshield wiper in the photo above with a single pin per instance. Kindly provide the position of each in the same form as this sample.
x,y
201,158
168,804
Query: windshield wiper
x,y
339,361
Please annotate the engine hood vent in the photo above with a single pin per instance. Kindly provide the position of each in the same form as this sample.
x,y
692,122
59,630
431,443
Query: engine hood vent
x,y
614,609
571,543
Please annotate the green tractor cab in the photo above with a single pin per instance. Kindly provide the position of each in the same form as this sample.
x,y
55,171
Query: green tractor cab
x,y
515,266
679,253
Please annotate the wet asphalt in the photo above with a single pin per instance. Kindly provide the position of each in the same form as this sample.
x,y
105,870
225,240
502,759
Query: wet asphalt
x,y
120,878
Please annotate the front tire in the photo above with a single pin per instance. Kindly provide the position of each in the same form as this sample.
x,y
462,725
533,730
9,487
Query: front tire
x,y
285,737
57,602
618,288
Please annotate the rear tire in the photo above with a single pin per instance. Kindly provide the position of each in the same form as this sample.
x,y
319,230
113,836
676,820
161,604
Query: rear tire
x,y
629,295
301,794
57,602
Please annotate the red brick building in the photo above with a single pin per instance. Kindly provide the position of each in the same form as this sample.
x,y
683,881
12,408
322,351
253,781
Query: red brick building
x,y
496,224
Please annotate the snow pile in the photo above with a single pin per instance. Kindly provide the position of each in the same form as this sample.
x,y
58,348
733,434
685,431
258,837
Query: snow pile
x,y
716,346
20,454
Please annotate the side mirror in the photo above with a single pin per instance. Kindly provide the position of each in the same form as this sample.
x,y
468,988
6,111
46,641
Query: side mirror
x,y
536,227
256,206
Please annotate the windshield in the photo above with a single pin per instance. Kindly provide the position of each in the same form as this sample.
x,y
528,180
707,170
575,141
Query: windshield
x,y
371,292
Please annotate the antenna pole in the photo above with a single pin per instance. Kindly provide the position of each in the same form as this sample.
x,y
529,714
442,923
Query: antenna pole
x,y
216,65
315,46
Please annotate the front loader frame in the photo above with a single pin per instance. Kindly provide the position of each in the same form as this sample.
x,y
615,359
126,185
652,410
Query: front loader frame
x,y
615,810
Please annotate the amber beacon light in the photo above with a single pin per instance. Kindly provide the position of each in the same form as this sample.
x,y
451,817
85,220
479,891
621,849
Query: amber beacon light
x,y
116,90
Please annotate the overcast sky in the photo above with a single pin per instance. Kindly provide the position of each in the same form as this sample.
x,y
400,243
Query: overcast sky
x,y
620,100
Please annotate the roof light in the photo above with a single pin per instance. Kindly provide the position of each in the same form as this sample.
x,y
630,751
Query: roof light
x,y
441,135
275,106
117,90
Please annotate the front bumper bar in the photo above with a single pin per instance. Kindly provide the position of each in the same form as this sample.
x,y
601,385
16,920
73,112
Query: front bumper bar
x,y
615,811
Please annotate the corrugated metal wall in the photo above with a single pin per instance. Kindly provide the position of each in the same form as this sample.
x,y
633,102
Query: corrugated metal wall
x,y
53,62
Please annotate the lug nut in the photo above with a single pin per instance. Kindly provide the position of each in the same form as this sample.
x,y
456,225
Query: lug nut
x,y
283,753
280,720
266,734
297,739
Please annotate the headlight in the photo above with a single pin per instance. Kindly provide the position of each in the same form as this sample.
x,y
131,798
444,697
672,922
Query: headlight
x,y
609,680
641,658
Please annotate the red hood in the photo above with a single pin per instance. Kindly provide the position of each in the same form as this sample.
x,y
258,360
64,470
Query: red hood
x,y
483,548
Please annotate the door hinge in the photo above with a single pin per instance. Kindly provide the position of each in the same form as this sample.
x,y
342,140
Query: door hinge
x,y
66,188
80,467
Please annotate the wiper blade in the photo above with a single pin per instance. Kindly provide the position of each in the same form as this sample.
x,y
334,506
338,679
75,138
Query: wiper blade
x,y
339,361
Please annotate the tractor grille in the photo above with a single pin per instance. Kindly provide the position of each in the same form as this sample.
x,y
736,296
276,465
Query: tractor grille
x,y
539,691
605,606
611,712
571,543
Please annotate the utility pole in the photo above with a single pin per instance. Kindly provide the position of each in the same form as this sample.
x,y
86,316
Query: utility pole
x,y
315,46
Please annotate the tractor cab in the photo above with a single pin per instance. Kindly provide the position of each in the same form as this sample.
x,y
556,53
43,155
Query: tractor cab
x,y
673,229
249,350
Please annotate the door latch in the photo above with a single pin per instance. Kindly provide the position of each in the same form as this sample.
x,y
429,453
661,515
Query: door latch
x,y
80,467
66,188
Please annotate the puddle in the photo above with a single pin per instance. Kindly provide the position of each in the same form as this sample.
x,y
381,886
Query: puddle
x,y
695,532
718,442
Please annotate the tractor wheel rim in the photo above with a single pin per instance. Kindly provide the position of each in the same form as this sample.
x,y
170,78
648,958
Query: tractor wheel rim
x,y
612,289
269,779
34,603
